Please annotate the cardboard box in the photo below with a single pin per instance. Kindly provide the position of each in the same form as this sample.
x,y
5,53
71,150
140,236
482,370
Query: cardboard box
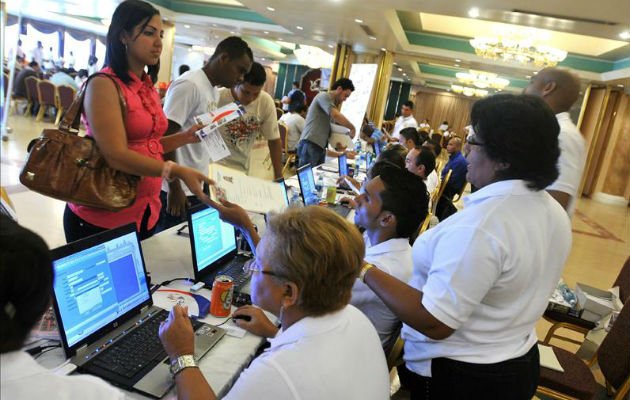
x,y
594,303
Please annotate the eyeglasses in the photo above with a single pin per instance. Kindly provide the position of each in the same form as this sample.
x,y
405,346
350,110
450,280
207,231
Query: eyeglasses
x,y
252,265
472,140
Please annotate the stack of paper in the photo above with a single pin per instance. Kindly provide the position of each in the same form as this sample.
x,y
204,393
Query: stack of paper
x,y
548,358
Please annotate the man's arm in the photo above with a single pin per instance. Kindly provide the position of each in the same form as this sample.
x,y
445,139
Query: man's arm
x,y
342,120
275,151
561,197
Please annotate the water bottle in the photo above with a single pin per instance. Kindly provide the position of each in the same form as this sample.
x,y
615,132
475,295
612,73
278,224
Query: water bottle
x,y
319,184
295,200
567,294
357,146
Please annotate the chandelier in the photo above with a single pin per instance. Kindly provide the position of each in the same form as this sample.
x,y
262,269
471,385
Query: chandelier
x,y
313,57
518,47
482,80
469,91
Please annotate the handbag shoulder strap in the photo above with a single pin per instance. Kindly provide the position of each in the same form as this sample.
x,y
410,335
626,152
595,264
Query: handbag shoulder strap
x,y
70,121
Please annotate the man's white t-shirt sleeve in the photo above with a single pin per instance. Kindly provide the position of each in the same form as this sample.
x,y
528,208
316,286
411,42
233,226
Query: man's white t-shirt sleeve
x,y
180,101
270,119
264,379
570,165
459,280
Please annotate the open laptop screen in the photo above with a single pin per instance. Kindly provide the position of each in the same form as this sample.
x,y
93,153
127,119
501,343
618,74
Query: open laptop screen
x,y
307,185
97,281
211,238
343,165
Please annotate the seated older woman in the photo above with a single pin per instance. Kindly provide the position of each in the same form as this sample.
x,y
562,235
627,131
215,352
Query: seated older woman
x,y
483,277
305,267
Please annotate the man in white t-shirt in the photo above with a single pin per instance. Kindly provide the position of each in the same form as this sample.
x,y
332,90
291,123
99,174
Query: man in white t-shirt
x,y
259,121
390,208
560,89
294,121
406,120
192,94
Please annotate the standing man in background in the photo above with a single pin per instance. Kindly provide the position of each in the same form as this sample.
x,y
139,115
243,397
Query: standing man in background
x,y
317,131
190,95
406,120
259,121
560,89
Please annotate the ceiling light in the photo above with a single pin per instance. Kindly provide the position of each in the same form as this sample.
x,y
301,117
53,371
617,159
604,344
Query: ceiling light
x,y
358,21
187,26
482,80
299,28
266,32
271,9
383,49
372,37
455,65
330,46
262,59
528,77
458,60
473,12
518,46
625,35
232,32
468,91
399,69
620,85
214,25
404,74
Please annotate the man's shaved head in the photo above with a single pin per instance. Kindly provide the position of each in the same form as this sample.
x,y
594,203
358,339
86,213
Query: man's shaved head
x,y
559,87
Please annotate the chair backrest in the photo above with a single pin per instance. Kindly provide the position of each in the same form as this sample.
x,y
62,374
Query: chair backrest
x,y
623,281
66,96
279,112
284,130
394,358
440,190
46,93
31,89
613,354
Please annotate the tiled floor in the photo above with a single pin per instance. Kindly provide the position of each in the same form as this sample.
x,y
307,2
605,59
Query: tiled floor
x,y
601,232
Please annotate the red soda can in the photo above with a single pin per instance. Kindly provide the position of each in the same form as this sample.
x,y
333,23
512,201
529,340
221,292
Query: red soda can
x,y
221,301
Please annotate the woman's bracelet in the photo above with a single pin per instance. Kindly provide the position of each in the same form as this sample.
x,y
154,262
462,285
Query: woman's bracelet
x,y
166,170
364,271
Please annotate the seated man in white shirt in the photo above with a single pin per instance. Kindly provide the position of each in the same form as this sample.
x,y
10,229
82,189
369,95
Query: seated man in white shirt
x,y
421,161
26,281
294,120
390,208
306,263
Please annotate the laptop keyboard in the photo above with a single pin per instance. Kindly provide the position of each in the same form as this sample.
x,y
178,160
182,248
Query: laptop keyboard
x,y
339,209
137,349
235,271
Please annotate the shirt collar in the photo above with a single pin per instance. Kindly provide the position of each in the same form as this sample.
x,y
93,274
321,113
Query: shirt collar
x,y
18,364
307,327
514,187
388,246
563,116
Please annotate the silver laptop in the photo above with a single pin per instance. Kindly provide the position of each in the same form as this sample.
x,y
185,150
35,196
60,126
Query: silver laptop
x,y
106,317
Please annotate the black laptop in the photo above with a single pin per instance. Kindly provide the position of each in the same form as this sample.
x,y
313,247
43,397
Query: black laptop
x,y
214,247
106,317
309,193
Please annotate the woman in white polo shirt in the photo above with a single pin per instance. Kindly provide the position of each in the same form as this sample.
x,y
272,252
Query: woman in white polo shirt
x,y
483,277
306,265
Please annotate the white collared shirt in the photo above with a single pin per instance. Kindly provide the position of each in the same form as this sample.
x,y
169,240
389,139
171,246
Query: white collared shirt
x,y
431,181
571,160
190,95
394,257
488,272
402,123
24,378
335,356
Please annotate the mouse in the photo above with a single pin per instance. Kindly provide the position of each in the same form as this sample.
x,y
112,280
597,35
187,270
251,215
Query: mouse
x,y
243,317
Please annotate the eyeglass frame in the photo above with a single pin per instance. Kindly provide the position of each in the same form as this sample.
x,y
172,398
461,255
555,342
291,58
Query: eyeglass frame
x,y
252,265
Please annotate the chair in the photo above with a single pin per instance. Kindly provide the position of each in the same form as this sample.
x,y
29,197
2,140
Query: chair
x,y
31,93
289,155
394,358
577,381
65,97
279,112
47,97
564,321
438,192
459,194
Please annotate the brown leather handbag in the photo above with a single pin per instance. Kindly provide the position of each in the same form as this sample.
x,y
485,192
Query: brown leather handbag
x,y
63,165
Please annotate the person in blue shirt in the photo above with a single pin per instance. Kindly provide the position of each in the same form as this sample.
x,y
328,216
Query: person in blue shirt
x,y
458,164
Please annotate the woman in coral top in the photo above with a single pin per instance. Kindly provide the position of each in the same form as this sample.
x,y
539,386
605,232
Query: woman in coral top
x,y
135,143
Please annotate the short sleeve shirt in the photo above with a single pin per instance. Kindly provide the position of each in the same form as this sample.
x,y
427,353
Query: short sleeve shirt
x,y
259,122
190,95
317,126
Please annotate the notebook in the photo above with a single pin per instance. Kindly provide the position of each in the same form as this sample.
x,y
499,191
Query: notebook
x,y
106,317
309,193
214,247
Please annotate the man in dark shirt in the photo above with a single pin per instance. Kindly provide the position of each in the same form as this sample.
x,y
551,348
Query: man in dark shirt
x,y
20,81
458,164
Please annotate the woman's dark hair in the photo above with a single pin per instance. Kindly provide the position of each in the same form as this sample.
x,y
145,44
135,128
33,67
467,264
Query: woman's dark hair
x,y
406,197
128,15
256,75
26,279
522,132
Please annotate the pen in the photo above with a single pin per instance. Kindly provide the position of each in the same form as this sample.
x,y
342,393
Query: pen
x,y
354,189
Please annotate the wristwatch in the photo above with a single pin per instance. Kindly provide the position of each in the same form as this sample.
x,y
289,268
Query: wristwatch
x,y
181,363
